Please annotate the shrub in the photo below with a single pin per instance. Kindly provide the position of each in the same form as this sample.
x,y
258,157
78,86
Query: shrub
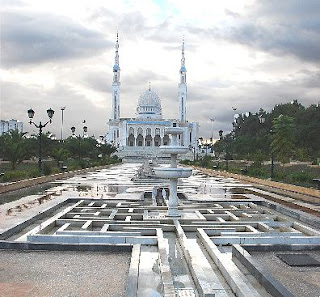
x,y
46,169
14,175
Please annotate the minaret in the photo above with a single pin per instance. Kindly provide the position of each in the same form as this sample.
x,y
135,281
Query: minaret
x,y
183,89
115,113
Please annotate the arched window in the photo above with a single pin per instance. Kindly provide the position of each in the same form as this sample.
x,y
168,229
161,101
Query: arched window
x,y
139,140
131,140
157,140
148,131
166,139
131,131
157,131
148,140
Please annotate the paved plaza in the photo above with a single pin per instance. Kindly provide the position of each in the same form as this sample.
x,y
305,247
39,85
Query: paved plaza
x,y
110,229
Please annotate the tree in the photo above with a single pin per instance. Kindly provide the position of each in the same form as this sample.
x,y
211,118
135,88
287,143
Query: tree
x,y
282,144
15,147
251,138
60,154
105,150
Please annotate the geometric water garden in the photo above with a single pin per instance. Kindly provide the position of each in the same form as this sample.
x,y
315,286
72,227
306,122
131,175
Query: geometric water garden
x,y
214,248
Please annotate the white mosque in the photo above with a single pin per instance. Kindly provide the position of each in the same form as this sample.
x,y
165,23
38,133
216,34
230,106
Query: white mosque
x,y
140,137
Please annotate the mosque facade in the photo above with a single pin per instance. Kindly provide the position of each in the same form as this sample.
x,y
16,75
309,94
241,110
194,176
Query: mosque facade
x,y
142,135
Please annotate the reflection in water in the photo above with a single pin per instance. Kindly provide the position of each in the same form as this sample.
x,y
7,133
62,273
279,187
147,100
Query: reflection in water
x,y
83,188
117,188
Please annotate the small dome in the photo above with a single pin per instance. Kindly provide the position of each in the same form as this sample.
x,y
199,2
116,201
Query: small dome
x,y
149,105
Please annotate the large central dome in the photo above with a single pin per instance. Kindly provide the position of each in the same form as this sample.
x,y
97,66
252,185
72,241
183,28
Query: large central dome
x,y
149,105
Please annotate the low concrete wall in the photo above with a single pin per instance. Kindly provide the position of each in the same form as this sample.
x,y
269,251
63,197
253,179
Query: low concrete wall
x,y
13,245
271,285
20,226
133,274
258,181
44,179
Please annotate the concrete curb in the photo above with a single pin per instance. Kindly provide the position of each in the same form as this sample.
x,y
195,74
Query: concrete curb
x,y
167,279
271,285
200,280
309,219
14,245
281,247
132,279
239,285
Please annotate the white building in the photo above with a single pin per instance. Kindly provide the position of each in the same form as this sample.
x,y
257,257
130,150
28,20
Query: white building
x,y
141,136
6,126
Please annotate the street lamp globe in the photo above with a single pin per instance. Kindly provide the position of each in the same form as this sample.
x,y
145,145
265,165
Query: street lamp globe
x,y
30,113
50,113
73,129
40,126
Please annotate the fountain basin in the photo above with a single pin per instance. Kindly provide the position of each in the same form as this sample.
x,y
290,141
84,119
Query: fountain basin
x,y
175,150
172,172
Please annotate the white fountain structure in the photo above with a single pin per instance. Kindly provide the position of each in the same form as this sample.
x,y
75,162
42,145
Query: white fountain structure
x,y
172,172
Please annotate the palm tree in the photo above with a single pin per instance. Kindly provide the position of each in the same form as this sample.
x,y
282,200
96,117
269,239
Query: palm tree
x,y
15,147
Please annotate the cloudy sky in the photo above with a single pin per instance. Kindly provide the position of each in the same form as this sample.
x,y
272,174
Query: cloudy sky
x,y
239,53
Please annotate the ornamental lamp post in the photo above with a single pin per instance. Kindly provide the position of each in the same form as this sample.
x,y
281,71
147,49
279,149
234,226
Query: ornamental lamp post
x,y
73,130
31,113
211,120
62,110
262,120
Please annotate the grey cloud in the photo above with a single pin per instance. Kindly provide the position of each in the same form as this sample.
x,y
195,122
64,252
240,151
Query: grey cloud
x,y
134,25
11,3
96,81
78,107
231,13
213,102
37,38
280,27
286,9
312,80
143,76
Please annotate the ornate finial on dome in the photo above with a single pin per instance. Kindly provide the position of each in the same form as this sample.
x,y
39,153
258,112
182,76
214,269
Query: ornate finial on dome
x,y
149,85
